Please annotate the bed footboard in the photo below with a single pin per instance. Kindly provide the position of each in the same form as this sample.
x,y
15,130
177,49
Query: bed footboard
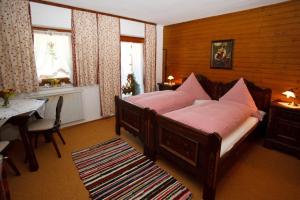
x,y
130,117
194,150
138,121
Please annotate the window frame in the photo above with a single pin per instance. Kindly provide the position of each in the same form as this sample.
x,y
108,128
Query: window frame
x,y
63,79
131,39
124,38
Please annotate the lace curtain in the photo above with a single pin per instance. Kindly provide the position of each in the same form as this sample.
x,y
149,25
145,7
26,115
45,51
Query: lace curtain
x,y
53,54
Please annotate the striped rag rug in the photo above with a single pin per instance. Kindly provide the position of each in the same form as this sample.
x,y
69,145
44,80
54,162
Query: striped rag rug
x,y
115,170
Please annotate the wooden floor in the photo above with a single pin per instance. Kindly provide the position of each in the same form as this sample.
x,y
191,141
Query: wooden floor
x,y
260,173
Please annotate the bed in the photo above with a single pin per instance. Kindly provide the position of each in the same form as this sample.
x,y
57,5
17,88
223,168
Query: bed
x,y
206,155
135,117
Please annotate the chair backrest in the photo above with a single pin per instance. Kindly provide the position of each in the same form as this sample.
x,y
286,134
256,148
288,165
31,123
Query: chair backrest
x,y
58,110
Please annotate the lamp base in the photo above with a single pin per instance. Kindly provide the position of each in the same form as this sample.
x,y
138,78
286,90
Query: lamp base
x,y
293,104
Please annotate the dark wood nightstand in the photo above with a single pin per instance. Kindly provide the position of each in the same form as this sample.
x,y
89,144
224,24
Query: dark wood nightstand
x,y
284,129
162,86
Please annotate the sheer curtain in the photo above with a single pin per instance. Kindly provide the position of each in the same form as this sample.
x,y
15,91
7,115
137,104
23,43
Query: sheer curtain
x,y
53,54
132,61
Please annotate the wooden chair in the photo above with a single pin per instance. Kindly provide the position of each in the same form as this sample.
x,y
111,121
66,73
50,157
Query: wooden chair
x,y
47,127
3,151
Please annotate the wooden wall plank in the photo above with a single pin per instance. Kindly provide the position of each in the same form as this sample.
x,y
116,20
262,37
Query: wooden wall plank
x,y
266,46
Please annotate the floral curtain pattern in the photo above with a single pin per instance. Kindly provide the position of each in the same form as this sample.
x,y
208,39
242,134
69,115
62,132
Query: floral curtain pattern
x,y
150,58
85,48
17,65
109,62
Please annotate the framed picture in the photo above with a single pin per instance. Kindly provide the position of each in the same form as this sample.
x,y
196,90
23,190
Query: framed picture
x,y
221,54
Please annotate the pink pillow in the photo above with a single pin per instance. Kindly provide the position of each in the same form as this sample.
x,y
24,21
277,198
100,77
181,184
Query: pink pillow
x,y
240,94
192,86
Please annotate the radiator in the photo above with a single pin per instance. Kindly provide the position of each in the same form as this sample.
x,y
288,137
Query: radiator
x,y
72,109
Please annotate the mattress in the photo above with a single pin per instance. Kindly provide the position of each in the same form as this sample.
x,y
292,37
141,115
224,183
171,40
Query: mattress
x,y
229,141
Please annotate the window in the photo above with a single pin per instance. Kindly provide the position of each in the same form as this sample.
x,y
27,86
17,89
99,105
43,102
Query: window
x,y
53,57
132,63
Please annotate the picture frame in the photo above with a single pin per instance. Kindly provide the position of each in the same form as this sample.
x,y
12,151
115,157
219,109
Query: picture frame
x,y
222,54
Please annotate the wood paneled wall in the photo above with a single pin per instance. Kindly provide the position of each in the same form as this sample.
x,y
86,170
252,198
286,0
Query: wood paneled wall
x,y
266,46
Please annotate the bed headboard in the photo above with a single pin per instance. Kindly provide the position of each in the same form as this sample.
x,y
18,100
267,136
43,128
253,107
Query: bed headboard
x,y
261,96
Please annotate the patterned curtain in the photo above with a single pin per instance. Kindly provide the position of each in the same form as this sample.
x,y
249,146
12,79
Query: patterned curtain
x,y
17,65
150,57
85,48
109,62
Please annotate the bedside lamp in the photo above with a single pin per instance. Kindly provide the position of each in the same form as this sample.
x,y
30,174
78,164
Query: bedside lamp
x,y
288,94
170,78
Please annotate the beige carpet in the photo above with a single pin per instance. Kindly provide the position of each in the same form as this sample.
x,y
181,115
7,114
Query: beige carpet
x,y
260,173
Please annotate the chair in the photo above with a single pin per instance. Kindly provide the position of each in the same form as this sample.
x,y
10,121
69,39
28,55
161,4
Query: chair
x,y
47,127
3,151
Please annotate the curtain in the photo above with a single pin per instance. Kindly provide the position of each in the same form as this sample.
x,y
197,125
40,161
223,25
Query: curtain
x,y
150,57
109,62
53,54
17,65
85,48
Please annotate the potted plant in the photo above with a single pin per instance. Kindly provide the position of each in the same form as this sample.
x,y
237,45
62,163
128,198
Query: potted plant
x,y
131,87
6,94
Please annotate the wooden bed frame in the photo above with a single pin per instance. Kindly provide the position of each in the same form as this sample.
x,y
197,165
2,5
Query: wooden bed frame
x,y
196,151
138,120
135,120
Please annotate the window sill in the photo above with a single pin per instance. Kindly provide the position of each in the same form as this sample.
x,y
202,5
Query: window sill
x,y
43,88
53,91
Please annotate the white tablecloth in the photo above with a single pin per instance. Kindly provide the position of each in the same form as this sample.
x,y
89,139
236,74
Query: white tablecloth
x,y
20,106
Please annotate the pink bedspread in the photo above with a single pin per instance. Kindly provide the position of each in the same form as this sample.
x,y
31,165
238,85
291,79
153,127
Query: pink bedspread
x,y
136,98
220,117
164,101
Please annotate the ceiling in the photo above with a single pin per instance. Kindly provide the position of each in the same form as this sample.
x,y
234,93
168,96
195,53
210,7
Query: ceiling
x,y
167,12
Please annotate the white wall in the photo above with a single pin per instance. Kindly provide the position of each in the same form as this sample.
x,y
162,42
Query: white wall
x,y
91,103
132,28
50,16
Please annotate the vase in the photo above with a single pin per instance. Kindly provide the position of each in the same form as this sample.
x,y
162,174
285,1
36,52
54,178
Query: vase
x,y
6,102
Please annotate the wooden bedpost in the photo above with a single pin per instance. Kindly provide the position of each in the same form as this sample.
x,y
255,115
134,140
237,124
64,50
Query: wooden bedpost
x,y
211,166
149,130
117,116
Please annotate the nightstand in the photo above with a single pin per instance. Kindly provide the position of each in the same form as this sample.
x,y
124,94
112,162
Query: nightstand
x,y
162,86
284,129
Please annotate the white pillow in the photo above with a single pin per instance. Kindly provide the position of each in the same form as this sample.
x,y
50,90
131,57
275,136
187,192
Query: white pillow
x,y
202,102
